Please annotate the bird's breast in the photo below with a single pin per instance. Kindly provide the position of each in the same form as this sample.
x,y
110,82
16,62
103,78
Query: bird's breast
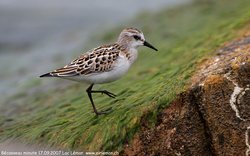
x,y
131,55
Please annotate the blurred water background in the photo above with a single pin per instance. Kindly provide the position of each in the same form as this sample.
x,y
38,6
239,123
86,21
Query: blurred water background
x,y
37,36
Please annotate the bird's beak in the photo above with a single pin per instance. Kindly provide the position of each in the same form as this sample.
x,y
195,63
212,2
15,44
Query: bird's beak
x,y
149,45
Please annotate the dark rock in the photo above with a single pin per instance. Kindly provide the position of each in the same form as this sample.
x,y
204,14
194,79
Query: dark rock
x,y
212,117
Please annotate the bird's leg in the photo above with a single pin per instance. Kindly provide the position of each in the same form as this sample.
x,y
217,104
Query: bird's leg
x,y
89,91
90,98
104,92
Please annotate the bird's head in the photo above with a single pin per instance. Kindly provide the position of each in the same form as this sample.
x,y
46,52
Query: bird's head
x,y
133,38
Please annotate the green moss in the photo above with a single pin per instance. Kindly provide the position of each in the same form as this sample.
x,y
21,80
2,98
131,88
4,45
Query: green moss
x,y
183,36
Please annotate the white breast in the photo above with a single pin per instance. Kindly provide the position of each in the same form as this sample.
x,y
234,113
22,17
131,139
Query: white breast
x,y
133,52
120,68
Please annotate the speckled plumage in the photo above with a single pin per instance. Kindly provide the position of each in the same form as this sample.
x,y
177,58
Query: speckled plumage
x,y
98,60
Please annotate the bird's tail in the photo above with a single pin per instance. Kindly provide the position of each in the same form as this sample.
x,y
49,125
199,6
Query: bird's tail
x,y
46,75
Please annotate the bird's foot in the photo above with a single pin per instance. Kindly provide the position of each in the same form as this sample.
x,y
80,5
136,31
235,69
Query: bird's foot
x,y
112,95
104,111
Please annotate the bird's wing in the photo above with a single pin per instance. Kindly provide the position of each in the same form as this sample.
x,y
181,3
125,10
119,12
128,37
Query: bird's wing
x,y
98,60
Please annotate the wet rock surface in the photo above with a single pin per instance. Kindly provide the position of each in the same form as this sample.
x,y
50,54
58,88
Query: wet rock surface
x,y
212,117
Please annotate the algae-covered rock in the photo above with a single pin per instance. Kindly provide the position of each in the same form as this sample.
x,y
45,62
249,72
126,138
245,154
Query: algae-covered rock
x,y
212,117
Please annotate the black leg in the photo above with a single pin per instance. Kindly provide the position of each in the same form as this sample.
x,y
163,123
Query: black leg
x,y
90,98
89,91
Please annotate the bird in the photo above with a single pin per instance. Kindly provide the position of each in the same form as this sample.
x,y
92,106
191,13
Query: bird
x,y
104,64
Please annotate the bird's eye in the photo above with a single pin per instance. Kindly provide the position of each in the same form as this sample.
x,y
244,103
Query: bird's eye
x,y
136,37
